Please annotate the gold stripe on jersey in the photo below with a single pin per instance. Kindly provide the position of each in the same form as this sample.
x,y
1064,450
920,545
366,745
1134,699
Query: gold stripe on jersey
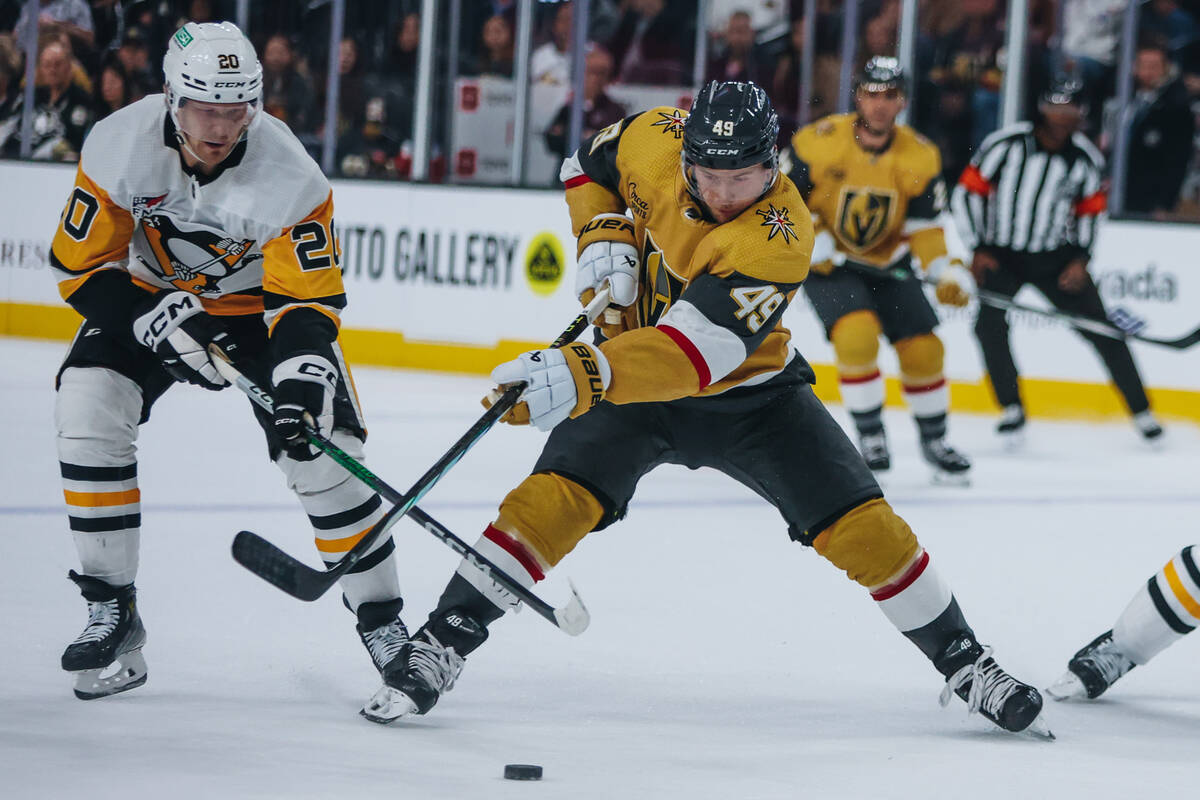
x,y
302,262
92,231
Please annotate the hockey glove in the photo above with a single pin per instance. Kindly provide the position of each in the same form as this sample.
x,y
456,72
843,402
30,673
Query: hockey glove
x,y
175,326
304,390
824,253
608,256
562,383
954,282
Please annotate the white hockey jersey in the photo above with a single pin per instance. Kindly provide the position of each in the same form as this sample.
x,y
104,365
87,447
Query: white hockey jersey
x,y
255,237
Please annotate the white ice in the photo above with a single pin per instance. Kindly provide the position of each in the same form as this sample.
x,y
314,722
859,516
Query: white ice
x,y
723,661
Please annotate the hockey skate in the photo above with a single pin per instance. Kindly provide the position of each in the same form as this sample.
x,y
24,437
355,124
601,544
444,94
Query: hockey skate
x,y
1011,427
1091,671
383,633
1148,427
107,657
874,449
975,677
950,467
432,662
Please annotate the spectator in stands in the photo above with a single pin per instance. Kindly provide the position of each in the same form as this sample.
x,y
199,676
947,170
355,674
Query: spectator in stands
x,y
599,110
352,95
10,88
879,38
1090,36
62,112
497,56
551,62
1164,19
785,84
402,60
72,17
114,90
370,151
652,43
739,60
287,95
135,60
1161,127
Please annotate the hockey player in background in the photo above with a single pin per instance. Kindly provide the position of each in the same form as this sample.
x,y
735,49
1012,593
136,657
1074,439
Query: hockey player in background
x,y
876,192
698,371
1162,612
197,220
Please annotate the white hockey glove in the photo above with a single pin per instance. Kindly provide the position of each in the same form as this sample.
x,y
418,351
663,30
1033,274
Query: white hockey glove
x,y
608,255
304,390
563,383
954,282
825,255
175,326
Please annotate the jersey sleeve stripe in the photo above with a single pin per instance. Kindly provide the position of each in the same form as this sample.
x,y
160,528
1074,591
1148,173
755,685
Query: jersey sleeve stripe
x,y
578,180
1092,204
692,353
272,318
973,181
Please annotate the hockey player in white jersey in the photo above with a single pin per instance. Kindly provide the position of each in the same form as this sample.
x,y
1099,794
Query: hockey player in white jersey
x,y
194,220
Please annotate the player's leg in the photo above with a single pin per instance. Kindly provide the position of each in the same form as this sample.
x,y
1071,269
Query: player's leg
x,y
991,331
105,389
582,482
1115,354
908,321
795,455
844,303
1162,612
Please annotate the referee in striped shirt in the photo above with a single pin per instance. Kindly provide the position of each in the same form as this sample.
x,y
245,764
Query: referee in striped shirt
x,y
1027,204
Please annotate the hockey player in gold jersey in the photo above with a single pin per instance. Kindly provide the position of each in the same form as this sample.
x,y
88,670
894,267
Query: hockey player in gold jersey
x,y
698,371
196,220
875,191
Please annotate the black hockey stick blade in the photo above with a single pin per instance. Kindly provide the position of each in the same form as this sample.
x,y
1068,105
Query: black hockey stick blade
x,y
278,568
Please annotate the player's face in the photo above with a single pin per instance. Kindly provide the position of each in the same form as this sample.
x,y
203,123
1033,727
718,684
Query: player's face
x,y
879,109
729,192
213,129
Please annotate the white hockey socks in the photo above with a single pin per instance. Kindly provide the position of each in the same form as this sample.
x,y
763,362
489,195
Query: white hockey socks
x,y
1163,611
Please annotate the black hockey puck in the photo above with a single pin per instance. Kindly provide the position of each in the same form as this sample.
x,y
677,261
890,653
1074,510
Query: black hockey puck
x,y
522,772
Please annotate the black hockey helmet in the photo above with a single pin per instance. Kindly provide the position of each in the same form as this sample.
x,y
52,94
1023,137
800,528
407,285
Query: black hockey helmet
x,y
1063,90
880,74
731,125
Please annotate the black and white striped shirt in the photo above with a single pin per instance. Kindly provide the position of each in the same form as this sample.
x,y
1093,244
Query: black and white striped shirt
x,y
1018,196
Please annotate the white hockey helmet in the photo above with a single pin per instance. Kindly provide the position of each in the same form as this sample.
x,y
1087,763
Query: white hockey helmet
x,y
212,62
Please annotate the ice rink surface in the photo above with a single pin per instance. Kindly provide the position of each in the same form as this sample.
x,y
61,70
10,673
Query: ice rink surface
x,y
723,661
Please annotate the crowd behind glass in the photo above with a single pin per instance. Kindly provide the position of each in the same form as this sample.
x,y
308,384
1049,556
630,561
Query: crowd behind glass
x,y
95,56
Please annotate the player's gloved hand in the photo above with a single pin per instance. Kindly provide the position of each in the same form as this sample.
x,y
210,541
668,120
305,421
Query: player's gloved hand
x,y
608,256
563,382
954,283
304,390
175,326
824,253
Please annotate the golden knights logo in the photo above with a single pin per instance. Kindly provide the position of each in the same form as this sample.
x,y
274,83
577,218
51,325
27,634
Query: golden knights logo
x,y
672,123
663,287
194,260
777,223
864,214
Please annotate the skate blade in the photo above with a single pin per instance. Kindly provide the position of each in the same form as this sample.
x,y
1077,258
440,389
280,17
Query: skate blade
x,y
387,706
1012,442
1038,729
128,671
941,477
1068,687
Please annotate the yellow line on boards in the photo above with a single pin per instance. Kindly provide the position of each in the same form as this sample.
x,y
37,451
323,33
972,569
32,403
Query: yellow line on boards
x,y
1052,399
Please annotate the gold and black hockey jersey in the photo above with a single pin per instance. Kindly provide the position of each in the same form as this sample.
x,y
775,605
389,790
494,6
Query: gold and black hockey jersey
x,y
255,238
711,295
877,204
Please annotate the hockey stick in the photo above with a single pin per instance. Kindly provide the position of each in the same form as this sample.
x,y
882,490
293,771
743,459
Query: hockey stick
x,y
998,300
303,582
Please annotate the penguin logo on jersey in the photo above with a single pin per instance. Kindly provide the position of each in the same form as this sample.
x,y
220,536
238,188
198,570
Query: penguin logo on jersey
x,y
663,286
195,261
863,216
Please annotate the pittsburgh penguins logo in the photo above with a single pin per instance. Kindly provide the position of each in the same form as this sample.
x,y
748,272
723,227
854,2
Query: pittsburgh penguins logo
x,y
864,214
664,286
197,260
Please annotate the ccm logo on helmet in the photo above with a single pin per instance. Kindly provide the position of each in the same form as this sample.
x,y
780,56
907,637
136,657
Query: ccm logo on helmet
x,y
228,84
722,151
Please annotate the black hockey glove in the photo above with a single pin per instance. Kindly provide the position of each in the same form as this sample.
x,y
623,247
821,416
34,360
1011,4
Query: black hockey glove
x,y
175,326
304,390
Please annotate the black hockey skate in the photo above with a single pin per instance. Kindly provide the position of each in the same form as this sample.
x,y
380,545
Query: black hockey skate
x,y
383,633
949,465
114,635
433,660
1147,426
975,677
1011,427
874,449
1092,670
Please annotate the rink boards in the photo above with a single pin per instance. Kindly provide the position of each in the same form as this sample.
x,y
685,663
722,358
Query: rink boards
x,y
456,279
